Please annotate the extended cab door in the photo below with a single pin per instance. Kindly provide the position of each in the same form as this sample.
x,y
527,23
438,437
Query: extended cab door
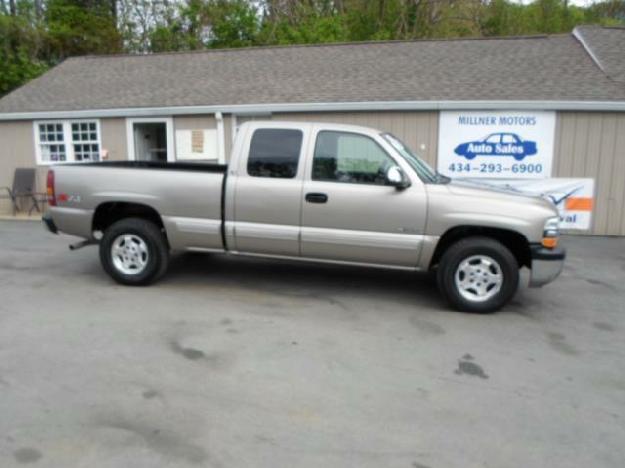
x,y
264,189
349,214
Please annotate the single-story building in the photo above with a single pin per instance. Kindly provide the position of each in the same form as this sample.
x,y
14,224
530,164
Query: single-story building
x,y
188,105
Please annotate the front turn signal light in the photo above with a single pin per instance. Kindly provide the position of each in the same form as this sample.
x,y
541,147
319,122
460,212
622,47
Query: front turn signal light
x,y
550,242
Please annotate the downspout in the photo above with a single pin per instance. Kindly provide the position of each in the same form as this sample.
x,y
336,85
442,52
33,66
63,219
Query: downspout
x,y
221,148
233,126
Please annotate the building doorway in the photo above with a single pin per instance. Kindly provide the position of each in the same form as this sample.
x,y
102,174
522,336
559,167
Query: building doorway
x,y
150,140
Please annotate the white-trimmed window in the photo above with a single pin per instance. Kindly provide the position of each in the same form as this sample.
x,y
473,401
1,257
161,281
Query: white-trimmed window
x,y
59,141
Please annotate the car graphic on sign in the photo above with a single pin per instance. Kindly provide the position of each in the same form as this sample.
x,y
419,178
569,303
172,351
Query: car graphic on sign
x,y
498,144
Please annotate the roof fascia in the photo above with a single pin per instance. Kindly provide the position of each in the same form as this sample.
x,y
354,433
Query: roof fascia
x,y
267,109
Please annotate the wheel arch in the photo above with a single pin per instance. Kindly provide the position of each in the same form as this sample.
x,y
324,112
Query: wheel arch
x,y
516,242
108,213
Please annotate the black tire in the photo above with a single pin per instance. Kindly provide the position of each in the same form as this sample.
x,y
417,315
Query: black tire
x,y
157,248
475,246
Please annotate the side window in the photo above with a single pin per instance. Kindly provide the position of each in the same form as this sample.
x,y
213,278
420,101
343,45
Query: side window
x,y
496,138
274,152
350,158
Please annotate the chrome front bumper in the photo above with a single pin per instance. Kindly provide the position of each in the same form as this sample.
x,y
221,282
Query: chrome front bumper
x,y
547,264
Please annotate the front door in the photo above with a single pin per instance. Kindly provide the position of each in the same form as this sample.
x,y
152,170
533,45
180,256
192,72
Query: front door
x,y
349,214
267,193
150,141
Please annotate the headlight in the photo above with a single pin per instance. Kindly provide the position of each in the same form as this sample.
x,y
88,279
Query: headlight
x,y
551,232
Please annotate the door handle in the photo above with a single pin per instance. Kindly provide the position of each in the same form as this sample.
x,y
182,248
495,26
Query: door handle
x,y
316,198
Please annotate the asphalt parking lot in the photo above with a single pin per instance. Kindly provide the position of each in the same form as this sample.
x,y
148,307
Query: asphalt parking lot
x,y
231,362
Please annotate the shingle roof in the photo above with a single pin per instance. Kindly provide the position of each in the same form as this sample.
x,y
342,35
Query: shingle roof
x,y
607,46
553,68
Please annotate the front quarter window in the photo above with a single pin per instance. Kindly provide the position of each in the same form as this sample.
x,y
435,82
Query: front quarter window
x,y
423,169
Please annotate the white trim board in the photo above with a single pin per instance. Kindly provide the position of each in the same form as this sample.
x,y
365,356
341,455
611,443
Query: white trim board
x,y
252,109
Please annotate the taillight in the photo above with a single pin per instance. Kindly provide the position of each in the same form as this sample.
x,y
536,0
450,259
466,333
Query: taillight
x,y
50,188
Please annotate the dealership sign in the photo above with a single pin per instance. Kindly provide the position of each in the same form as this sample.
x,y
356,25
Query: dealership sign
x,y
500,145
574,198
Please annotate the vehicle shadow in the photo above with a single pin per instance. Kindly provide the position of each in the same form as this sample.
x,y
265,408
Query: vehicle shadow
x,y
302,279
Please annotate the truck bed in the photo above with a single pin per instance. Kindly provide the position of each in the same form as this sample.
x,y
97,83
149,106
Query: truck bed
x,y
186,196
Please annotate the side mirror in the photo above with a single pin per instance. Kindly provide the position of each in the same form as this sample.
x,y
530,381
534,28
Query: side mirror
x,y
395,177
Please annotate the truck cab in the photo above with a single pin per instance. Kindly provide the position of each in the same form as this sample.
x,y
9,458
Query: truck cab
x,y
320,191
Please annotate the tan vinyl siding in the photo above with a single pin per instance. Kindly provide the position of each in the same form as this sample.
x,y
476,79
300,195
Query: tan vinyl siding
x,y
113,133
194,122
592,144
17,149
419,130
197,122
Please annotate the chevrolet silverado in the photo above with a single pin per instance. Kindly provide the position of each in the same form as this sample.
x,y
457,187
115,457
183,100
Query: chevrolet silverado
x,y
311,192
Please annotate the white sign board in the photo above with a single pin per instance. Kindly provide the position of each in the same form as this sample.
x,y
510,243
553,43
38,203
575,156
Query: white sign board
x,y
574,198
198,144
500,145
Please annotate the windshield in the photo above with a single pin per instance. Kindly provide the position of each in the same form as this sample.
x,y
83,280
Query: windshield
x,y
425,172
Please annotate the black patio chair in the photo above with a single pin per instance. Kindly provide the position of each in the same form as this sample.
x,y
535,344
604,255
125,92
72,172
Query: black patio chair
x,y
23,187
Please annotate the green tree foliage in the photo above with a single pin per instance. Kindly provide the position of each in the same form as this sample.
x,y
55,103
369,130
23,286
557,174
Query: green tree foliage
x,y
37,34
80,27
19,43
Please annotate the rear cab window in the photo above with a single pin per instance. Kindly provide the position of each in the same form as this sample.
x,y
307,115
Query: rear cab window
x,y
275,153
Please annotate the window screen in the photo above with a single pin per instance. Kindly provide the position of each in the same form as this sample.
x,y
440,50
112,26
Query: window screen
x,y
350,158
274,152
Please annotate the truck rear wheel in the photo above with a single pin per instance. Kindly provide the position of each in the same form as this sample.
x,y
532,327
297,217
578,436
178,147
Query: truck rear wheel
x,y
478,274
133,251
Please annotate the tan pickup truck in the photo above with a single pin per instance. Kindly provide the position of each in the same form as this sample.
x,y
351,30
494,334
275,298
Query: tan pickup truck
x,y
314,192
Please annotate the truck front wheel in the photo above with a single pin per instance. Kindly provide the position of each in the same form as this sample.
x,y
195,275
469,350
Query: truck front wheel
x,y
478,274
133,251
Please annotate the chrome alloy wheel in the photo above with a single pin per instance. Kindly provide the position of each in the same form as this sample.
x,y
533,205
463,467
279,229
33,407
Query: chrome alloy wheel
x,y
478,278
129,254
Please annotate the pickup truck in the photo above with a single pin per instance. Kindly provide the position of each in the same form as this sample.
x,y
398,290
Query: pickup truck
x,y
311,192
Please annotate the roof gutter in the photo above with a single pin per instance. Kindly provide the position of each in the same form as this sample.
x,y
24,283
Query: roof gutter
x,y
267,109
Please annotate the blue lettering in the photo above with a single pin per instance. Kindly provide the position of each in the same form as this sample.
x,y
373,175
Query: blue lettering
x,y
523,120
477,120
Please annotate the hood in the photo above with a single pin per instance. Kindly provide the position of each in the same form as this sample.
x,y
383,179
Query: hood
x,y
463,203
473,188
505,198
